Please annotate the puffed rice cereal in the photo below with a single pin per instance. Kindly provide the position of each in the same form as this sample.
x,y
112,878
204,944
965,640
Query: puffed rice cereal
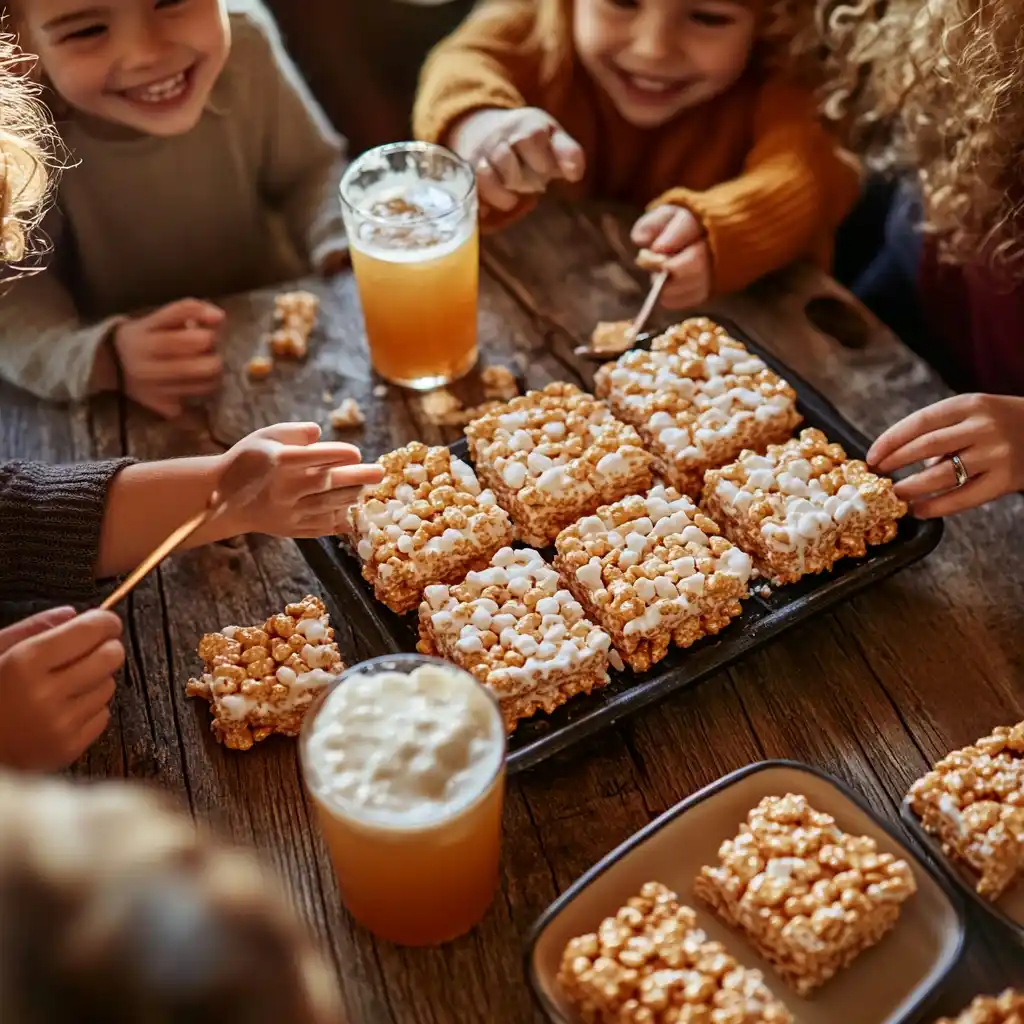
x,y
1006,1008
802,506
651,964
807,896
347,415
261,680
653,571
513,627
698,397
554,455
973,801
428,521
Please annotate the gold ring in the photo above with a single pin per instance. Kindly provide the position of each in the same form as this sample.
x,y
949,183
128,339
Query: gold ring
x,y
962,476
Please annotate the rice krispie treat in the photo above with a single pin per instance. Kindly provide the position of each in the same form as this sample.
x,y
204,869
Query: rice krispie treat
x,y
518,632
802,506
973,801
653,571
428,521
552,456
808,897
651,964
1007,1008
262,679
698,398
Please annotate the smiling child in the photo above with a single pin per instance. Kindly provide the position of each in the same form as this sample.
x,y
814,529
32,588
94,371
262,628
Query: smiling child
x,y
699,109
204,167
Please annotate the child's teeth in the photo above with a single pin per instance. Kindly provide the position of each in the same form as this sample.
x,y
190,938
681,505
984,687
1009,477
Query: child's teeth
x,y
165,90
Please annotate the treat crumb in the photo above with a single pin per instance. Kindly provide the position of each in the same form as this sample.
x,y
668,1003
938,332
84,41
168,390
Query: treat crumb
x,y
259,367
347,415
765,591
442,408
380,391
499,383
327,398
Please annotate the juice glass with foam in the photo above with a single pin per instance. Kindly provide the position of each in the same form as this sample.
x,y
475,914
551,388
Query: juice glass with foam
x,y
404,758
410,210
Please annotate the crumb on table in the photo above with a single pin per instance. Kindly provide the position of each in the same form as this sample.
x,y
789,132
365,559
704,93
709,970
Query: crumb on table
x,y
651,963
519,632
554,455
698,398
499,382
428,521
443,409
295,314
327,397
973,801
653,571
801,506
261,680
1006,1008
380,391
807,896
347,415
259,367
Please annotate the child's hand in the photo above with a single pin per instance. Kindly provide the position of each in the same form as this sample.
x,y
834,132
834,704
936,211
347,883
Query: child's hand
x,y
56,680
516,153
986,431
170,355
675,233
311,486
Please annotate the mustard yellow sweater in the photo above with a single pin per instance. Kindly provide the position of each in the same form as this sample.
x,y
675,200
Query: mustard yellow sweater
x,y
754,164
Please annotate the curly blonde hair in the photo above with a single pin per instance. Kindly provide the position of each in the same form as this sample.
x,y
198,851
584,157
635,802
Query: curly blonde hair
x,y
936,88
114,908
28,152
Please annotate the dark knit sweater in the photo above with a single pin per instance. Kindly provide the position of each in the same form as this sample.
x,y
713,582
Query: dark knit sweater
x,y
50,520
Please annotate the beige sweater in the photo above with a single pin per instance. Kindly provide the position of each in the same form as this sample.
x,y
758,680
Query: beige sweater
x,y
247,198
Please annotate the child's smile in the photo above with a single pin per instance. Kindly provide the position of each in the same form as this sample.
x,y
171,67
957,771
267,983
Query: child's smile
x,y
656,58
165,94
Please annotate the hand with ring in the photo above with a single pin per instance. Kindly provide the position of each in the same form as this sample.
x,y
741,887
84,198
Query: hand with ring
x,y
972,447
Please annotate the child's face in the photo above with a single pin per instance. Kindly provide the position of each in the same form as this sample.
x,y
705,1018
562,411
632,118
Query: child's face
x,y
146,64
656,58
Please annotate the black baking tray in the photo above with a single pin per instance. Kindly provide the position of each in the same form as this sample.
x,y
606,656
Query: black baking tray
x,y
961,877
762,620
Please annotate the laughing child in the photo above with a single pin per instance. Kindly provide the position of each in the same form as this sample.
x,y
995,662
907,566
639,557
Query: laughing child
x,y
204,167
699,109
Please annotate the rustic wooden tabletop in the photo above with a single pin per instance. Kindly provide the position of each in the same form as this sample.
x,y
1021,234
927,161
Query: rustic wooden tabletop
x,y
872,693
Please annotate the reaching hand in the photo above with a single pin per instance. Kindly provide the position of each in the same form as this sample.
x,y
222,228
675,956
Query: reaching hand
x,y
985,431
56,682
516,153
676,234
170,355
312,484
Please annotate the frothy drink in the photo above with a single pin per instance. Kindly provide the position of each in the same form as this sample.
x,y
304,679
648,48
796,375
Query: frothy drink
x,y
405,761
411,215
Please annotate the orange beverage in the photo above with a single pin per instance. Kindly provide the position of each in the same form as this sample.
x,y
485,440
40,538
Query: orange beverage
x,y
411,214
404,759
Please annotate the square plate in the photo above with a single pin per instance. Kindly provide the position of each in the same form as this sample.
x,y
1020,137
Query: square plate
x,y
1008,909
887,984
763,618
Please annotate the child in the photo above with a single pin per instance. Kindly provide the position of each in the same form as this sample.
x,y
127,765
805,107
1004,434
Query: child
x,y
203,167
934,90
696,108
113,908
66,526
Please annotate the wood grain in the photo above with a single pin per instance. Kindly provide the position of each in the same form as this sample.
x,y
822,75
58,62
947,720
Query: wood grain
x,y
871,692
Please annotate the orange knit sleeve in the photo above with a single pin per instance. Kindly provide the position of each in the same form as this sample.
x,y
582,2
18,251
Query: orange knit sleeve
x,y
795,188
491,60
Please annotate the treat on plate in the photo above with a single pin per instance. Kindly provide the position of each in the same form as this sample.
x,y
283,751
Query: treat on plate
x,y
802,506
808,897
1007,1008
651,963
515,629
262,679
973,801
428,521
653,571
552,456
698,398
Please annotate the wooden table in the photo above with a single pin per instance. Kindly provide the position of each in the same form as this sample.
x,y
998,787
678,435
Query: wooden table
x,y
871,693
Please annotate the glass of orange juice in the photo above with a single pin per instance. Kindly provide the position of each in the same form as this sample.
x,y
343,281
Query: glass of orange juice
x,y
410,210
404,758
